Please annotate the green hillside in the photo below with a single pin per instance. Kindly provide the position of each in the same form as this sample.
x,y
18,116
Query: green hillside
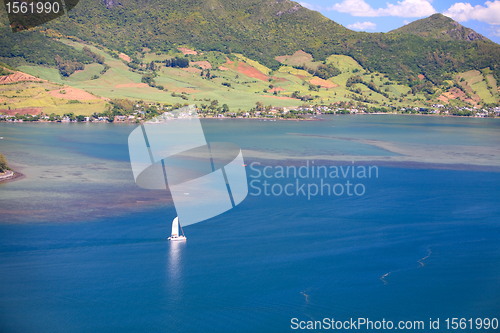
x,y
235,81
260,30
249,51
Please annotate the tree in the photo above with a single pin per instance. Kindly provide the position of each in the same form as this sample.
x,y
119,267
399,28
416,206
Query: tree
x,y
177,62
225,108
123,104
214,104
70,115
259,106
3,163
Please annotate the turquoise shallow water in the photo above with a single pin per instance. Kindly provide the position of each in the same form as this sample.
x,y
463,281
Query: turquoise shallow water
x,y
79,254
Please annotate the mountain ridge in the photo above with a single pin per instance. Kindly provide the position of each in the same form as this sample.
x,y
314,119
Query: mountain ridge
x,y
440,27
261,30
264,29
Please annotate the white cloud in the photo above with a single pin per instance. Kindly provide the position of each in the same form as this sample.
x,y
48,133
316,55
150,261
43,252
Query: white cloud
x,y
495,31
459,11
362,26
354,7
404,8
405,22
309,6
490,13
409,8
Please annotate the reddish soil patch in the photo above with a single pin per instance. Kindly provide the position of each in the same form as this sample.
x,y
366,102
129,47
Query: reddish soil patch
x,y
457,93
22,111
222,68
444,99
185,51
282,58
125,57
192,70
279,79
276,89
229,62
421,77
278,97
466,87
72,93
203,64
251,71
454,93
17,77
302,77
323,83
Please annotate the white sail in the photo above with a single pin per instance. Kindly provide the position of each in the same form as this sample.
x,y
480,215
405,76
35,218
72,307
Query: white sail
x,y
175,227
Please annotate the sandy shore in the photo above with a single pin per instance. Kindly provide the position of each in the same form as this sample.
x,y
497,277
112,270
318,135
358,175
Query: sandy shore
x,y
16,176
408,154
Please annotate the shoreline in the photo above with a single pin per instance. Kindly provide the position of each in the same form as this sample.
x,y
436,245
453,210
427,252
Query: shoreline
x,y
15,176
308,117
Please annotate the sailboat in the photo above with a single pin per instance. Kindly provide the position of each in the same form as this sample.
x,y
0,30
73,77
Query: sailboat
x,y
175,231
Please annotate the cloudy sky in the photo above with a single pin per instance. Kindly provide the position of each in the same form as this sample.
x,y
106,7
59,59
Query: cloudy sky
x,y
384,15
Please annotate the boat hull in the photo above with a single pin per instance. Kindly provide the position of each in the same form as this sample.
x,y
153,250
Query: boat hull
x,y
177,239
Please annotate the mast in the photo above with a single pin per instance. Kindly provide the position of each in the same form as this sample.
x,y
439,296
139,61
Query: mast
x,y
181,229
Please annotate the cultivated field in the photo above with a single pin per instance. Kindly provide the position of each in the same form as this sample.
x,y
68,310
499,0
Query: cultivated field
x,y
234,80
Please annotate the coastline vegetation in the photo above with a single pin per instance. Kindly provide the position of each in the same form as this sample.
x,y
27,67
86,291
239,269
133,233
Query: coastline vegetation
x,y
123,110
3,163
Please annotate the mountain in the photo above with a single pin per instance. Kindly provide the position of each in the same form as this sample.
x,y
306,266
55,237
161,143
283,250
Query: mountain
x,y
264,29
440,27
261,30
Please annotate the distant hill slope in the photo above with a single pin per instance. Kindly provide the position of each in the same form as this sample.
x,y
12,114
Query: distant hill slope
x,y
259,29
441,27
226,81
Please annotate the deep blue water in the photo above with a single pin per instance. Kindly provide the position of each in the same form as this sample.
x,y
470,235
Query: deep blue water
x,y
270,259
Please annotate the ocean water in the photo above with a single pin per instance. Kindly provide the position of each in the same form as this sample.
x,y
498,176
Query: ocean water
x,y
82,249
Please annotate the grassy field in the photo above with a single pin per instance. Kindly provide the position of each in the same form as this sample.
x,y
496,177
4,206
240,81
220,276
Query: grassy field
x,y
46,95
254,64
50,74
236,81
293,71
476,83
299,58
491,81
481,89
344,63
87,74
148,57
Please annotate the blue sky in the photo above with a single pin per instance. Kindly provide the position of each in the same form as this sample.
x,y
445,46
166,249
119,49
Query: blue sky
x,y
385,15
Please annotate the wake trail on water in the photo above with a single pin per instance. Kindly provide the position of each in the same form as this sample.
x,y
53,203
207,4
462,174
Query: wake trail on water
x,y
420,261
